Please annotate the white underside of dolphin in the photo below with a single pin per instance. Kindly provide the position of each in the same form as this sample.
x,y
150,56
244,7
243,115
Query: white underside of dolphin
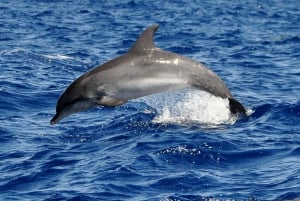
x,y
143,70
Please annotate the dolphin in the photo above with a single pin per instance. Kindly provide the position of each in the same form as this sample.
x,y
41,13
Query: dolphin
x,y
144,70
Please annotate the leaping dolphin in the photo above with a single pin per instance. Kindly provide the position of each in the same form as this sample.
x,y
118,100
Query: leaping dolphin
x,y
145,69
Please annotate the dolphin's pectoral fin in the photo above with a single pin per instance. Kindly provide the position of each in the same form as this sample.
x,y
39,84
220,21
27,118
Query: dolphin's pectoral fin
x,y
236,107
108,101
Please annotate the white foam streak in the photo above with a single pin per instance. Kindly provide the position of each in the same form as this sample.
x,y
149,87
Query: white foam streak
x,y
57,56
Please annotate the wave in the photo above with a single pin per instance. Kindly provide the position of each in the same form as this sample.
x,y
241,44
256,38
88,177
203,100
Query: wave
x,y
283,113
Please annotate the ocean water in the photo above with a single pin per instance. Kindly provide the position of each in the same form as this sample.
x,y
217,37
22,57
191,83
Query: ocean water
x,y
168,147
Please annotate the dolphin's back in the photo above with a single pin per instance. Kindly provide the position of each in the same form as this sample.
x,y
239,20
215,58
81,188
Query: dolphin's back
x,y
178,72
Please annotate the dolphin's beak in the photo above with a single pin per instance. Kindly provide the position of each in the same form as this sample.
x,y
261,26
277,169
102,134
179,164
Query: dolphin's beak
x,y
57,117
54,120
76,106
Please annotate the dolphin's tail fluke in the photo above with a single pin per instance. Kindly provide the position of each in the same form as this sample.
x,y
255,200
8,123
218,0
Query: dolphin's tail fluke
x,y
236,107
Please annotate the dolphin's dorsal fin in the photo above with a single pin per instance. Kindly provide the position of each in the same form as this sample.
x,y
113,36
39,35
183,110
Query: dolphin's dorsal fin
x,y
145,40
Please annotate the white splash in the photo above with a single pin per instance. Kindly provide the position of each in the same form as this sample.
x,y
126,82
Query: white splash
x,y
190,106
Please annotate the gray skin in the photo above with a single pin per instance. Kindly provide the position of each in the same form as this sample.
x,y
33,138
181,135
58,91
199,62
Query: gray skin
x,y
143,70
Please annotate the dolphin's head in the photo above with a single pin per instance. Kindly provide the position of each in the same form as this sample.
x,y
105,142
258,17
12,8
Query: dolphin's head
x,y
74,99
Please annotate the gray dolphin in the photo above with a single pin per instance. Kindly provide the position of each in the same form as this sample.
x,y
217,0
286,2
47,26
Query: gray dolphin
x,y
143,70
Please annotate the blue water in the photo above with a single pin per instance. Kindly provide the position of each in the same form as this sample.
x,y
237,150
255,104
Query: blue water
x,y
138,151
